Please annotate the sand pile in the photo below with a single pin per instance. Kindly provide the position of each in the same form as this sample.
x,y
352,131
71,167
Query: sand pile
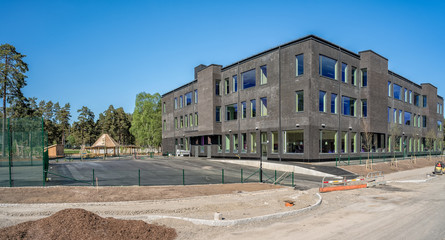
x,y
81,224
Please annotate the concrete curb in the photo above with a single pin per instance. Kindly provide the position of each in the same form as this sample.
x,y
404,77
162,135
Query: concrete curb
x,y
279,167
224,223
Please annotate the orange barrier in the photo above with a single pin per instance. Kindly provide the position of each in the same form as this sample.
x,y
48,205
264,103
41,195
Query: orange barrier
x,y
339,188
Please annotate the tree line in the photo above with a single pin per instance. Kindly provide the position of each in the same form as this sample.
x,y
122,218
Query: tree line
x,y
143,127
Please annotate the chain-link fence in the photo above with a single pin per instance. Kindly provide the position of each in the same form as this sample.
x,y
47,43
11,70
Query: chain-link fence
x,y
23,157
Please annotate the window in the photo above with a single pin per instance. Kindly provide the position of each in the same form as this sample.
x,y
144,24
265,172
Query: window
x,y
218,114
354,76
364,108
274,142
299,101
181,122
394,115
418,121
328,67
191,120
218,139
176,103
253,142
244,142
333,103
196,119
397,145
244,110
322,101
348,106
415,120
438,108
253,108
235,83
439,125
364,77
299,64
226,86
164,108
397,91
188,98
406,95
227,145
389,89
176,123
164,125
217,87
248,79
424,101
400,116
186,121
231,112
328,141
410,97
344,72
181,102
353,142
293,141
196,95
263,79
344,142
417,99
263,102
235,143
407,118
424,121
389,113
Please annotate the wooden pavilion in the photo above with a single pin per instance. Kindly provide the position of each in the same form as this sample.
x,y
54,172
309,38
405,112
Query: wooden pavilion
x,y
105,145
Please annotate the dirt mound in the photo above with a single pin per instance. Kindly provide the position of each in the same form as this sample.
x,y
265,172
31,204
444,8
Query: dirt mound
x,y
81,224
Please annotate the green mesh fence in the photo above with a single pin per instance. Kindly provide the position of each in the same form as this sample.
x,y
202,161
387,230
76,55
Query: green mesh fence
x,y
23,160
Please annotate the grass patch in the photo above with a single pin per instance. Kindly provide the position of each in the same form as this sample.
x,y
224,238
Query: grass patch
x,y
71,151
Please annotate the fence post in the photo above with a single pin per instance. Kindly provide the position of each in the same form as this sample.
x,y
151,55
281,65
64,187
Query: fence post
x,y
93,178
183,177
222,174
139,177
242,180
349,159
336,161
275,182
293,179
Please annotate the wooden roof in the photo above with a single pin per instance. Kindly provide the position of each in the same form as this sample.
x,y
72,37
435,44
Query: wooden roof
x,y
105,141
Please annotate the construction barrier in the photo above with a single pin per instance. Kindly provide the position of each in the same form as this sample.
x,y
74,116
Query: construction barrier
x,y
343,184
375,179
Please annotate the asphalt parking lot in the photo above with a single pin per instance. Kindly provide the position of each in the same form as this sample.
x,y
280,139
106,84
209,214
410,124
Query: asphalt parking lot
x,y
164,171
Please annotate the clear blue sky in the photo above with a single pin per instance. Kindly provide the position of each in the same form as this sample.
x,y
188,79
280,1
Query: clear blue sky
x,y
97,53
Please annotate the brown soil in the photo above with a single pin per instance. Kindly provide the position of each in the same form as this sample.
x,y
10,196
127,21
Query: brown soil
x,y
388,167
81,224
115,194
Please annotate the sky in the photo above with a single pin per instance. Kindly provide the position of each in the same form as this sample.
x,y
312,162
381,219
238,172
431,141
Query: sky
x,y
104,52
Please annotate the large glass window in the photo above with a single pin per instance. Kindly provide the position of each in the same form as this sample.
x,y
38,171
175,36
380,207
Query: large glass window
x,y
217,87
253,142
181,101
176,103
328,141
226,86
322,101
424,100
407,118
333,103
186,122
244,142
397,91
235,83
253,108
263,79
344,72
406,94
263,106
274,142
227,145
389,113
354,76
235,143
364,108
299,101
353,142
181,122
244,110
344,142
418,121
231,112
439,125
293,141
400,116
410,97
196,119
188,98
394,117
299,64
218,114
328,67
248,79
196,95
191,120
218,139
389,89
417,99
164,109
424,121
364,77
348,106
176,123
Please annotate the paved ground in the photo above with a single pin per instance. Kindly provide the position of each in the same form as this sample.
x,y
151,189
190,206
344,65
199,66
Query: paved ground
x,y
164,171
